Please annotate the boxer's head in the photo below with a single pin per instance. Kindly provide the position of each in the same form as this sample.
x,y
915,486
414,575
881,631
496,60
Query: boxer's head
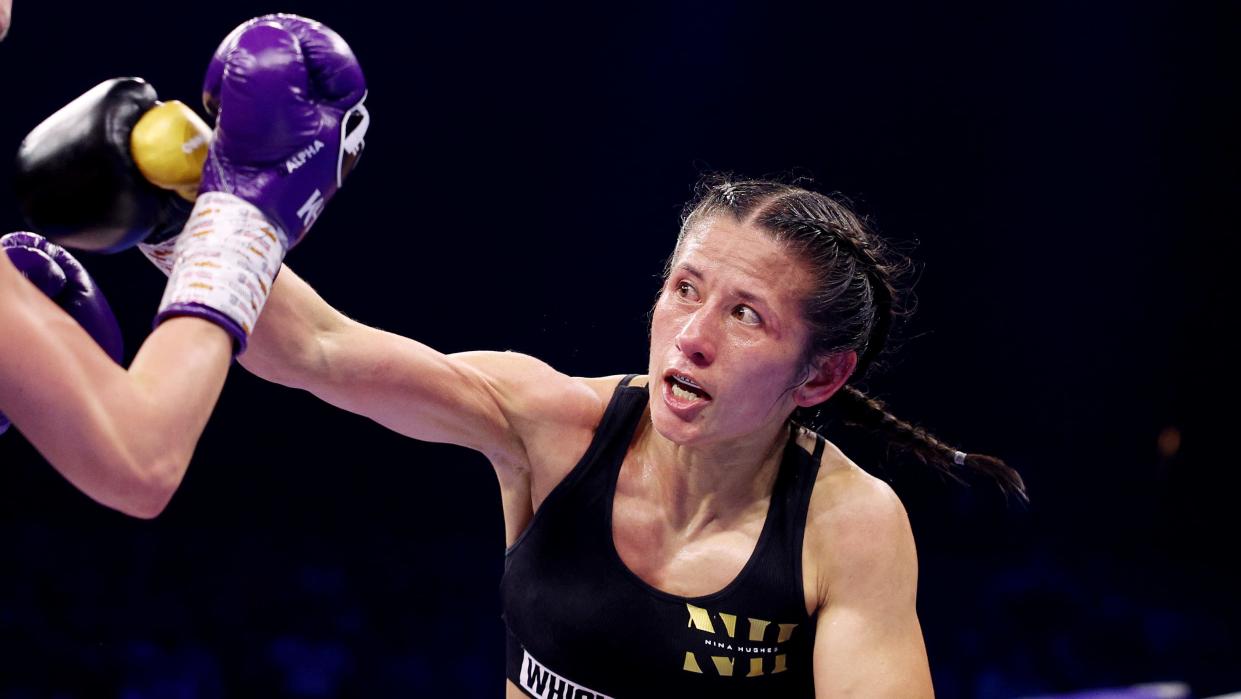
x,y
773,299
855,295
787,246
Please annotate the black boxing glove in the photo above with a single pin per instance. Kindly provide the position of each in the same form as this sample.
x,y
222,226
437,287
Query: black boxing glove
x,y
113,168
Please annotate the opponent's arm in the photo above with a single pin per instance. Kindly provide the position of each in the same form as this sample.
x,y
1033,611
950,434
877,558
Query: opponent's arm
x,y
123,438
492,402
868,641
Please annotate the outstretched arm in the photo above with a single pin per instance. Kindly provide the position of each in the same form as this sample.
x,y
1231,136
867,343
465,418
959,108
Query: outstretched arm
x,y
498,403
122,437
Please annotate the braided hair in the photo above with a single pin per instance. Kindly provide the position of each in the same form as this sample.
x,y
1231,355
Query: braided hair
x,y
853,306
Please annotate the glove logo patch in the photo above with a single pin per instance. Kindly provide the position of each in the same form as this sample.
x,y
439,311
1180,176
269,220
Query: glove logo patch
x,y
312,208
301,157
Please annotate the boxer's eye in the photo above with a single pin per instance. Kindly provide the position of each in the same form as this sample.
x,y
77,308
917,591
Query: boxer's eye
x,y
747,315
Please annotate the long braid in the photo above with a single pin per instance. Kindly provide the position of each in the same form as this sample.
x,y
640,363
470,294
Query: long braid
x,y
860,410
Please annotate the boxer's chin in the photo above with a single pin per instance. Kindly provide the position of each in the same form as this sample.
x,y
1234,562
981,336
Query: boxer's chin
x,y
673,428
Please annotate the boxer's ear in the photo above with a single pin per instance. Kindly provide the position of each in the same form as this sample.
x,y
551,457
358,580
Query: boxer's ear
x,y
827,374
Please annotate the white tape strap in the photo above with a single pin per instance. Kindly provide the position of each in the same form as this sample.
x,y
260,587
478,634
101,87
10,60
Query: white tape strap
x,y
160,254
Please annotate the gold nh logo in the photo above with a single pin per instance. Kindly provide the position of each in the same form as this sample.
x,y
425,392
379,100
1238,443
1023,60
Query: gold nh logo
x,y
725,666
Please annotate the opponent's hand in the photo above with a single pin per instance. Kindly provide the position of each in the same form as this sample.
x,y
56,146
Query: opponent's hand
x,y
288,93
64,280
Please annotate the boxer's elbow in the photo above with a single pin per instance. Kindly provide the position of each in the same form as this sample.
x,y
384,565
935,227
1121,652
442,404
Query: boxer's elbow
x,y
153,488
140,485
146,467
133,487
143,508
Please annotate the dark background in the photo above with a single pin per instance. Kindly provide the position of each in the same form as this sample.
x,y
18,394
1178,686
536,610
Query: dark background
x,y
1065,172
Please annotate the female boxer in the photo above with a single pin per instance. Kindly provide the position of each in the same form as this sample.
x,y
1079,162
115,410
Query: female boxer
x,y
680,533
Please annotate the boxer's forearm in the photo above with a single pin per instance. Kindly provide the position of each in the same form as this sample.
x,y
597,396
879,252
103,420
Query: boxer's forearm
x,y
287,345
152,417
176,379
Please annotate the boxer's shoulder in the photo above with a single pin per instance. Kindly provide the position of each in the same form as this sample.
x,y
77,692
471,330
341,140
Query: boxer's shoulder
x,y
549,415
537,401
556,402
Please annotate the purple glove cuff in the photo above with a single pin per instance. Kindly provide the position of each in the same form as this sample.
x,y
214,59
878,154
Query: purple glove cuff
x,y
198,310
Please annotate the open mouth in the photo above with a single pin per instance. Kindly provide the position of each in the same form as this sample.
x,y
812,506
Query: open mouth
x,y
684,388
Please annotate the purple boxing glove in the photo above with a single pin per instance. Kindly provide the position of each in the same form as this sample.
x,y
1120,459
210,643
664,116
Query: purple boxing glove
x,y
288,94
63,279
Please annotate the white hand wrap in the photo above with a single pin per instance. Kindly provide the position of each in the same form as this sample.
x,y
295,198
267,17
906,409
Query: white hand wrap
x,y
225,259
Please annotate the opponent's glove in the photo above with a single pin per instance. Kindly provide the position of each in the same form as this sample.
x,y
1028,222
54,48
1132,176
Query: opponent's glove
x,y
56,273
288,93
112,168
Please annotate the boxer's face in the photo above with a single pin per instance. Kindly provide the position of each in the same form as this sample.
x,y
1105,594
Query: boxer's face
x,y
729,319
6,12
